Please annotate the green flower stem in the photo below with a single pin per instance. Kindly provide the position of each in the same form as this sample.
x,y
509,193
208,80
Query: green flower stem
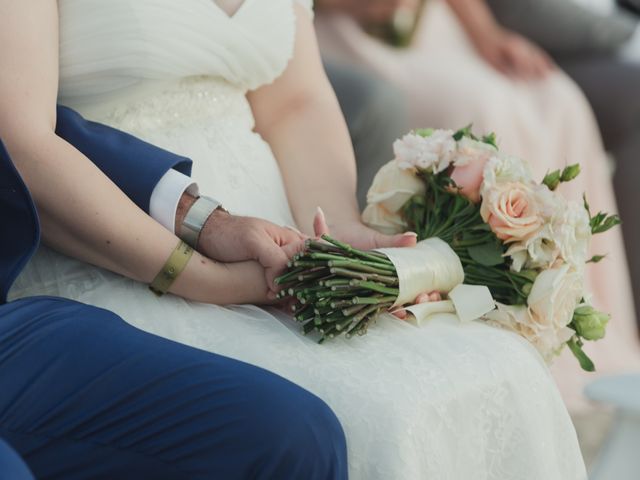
x,y
340,304
375,300
308,327
348,248
362,266
334,282
290,276
314,245
352,310
361,321
376,287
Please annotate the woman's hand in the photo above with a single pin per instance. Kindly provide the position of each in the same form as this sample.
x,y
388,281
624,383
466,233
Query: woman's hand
x,y
359,235
513,55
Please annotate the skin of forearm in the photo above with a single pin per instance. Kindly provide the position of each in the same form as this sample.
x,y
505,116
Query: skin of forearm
x,y
84,215
299,116
316,172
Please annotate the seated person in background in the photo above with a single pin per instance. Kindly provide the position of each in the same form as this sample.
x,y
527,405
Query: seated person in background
x,y
598,45
464,67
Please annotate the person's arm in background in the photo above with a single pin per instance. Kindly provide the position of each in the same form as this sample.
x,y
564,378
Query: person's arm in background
x,y
83,213
299,116
568,29
506,51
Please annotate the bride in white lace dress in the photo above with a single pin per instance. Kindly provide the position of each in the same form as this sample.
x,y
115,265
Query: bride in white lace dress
x,y
445,401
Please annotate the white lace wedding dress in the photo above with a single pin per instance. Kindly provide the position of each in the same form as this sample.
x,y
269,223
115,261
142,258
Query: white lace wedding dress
x,y
444,401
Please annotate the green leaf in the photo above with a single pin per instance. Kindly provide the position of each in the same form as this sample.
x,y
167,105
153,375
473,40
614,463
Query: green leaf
x,y
552,179
586,204
424,132
570,172
596,259
602,222
576,348
491,140
464,132
488,254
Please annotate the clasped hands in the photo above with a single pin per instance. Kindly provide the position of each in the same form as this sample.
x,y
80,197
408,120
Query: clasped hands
x,y
231,238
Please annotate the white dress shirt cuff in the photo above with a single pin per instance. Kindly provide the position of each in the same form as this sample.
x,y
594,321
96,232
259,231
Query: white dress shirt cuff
x,y
630,51
166,196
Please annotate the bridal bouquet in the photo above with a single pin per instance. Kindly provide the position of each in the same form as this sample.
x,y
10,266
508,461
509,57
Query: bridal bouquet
x,y
519,246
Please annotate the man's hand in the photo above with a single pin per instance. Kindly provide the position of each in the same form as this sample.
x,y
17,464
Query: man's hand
x,y
369,12
232,238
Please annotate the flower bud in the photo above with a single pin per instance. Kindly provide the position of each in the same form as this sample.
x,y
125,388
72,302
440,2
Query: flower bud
x,y
552,180
570,172
589,322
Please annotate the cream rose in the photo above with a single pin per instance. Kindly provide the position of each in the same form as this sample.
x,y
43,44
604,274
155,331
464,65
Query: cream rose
x,y
514,210
555,295
434,152
537,251
391,188
572,234
500,169
548,339
471,151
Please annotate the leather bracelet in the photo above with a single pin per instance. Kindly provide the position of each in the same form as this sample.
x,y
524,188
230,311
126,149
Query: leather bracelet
x,y
172,269
195,219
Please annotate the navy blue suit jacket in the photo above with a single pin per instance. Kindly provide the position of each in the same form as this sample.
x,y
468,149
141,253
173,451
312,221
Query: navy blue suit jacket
x,y
133,165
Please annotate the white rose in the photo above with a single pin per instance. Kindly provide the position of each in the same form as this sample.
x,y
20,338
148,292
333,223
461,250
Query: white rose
x,y
391,188
501,169
470,151
434,152
555,295
547,339
537,251
572,233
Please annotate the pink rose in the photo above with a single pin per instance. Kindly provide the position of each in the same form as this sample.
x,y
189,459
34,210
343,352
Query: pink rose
x,y
514,210
469,179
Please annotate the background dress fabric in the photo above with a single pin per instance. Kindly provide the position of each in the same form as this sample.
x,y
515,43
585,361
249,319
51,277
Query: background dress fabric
x,y
548,123
447,401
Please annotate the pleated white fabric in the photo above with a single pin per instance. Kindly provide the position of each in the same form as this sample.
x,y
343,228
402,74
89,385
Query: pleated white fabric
x,y
446,401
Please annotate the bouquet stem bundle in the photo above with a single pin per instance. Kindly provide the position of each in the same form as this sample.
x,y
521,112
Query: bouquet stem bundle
x,y
338,289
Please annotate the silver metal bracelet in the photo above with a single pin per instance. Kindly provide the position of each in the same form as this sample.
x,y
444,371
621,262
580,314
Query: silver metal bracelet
x,y
195,219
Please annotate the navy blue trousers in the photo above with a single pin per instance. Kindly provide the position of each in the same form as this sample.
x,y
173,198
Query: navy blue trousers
x,y
84,395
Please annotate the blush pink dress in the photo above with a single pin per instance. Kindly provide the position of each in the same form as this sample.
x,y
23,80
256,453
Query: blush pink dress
x,y
547,122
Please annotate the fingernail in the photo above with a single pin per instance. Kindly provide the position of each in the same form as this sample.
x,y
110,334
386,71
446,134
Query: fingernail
x,y
320,212
410,234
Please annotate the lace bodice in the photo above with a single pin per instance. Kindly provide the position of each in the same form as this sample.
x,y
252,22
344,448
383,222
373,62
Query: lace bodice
x,y
109,47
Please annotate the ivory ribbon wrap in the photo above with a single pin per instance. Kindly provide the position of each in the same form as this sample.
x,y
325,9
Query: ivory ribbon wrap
x,y
432,266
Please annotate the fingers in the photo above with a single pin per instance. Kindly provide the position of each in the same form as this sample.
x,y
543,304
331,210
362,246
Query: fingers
x,y
274,259
292,248
320,226
408,239
401,314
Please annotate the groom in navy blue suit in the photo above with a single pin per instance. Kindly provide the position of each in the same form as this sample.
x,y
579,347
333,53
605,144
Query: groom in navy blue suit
x,y
85,395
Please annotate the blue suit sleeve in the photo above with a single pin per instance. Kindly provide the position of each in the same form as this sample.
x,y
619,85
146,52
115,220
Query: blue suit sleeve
x,y
133,165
